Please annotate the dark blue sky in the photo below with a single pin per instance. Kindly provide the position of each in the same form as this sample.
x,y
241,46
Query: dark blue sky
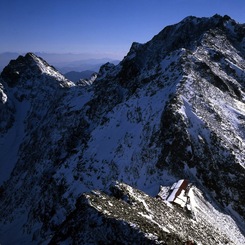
x,y
102,27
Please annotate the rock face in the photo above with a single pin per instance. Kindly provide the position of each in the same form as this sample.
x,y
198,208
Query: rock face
x,y
172,108
129,216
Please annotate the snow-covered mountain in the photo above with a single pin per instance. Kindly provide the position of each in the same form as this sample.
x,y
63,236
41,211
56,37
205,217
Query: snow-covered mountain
x,y
173,108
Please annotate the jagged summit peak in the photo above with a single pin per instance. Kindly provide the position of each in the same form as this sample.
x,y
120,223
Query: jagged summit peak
x,y
218,16
187,34
28,67
27,59
212,18
30,54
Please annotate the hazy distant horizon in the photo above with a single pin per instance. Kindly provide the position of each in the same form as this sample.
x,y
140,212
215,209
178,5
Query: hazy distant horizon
x,y
64,62
70,55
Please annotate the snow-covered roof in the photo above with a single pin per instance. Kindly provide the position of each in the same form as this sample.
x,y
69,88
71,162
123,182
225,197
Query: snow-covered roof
x,y
176,190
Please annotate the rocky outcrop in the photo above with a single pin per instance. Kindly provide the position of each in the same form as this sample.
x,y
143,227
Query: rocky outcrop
x,y
129,216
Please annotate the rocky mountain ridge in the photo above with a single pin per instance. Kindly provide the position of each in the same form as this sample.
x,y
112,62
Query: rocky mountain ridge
x,y
129,216
172,108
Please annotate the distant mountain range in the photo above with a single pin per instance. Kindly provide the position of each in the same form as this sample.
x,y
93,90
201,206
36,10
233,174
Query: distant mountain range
x,y
63,62
75,76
